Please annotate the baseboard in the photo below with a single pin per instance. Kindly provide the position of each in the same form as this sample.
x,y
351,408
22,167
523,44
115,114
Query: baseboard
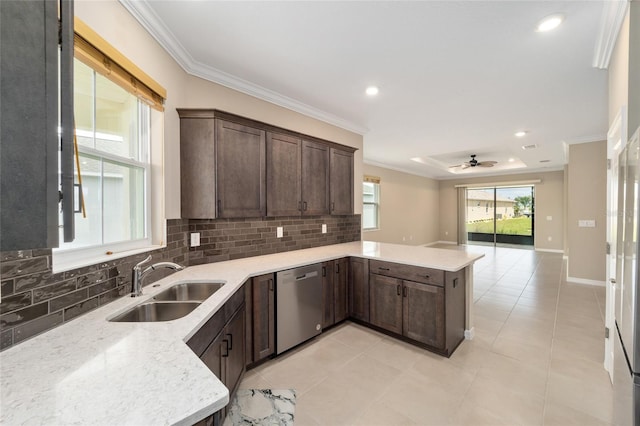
x,y
468,334
549,250
596,283
440,242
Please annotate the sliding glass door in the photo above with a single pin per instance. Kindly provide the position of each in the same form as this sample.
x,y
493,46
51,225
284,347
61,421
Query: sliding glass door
x,y
503,215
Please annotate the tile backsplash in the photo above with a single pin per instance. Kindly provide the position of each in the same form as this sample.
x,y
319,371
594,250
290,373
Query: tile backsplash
x,y
35,300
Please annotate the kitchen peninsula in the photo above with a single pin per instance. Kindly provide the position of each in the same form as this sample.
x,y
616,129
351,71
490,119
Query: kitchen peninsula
x,y
92,371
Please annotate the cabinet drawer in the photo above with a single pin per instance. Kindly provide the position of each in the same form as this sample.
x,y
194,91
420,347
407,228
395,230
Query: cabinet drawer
x,y
407,272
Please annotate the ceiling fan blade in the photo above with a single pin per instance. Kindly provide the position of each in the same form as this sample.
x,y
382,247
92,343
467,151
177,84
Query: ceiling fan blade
x,y
486,163
466,166
457,165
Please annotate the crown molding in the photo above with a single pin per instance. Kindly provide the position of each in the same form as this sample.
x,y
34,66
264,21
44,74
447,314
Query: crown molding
x,y
150,21
613,13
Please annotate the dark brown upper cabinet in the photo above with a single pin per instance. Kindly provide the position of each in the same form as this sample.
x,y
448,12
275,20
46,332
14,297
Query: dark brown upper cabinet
x,y
36,62
240,167
284,175
341,174
222,167
297,176
232,167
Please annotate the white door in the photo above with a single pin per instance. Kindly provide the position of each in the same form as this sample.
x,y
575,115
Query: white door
x,y
616,141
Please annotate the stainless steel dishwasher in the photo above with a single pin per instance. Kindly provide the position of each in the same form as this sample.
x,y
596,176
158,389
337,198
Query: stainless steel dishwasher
x,y
299,306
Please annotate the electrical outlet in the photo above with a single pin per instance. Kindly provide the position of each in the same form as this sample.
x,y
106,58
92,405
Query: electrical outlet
x,y
195,239
549,238
279,232
324,228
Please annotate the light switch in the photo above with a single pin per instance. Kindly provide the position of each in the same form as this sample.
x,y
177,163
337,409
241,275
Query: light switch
x,y
279,232
324,228
195,239
549,218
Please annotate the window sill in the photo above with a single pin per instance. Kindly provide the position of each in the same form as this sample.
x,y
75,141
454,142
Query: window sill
x,y
370,229
67,261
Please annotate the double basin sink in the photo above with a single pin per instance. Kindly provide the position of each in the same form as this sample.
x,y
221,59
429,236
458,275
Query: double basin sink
x,y
170,304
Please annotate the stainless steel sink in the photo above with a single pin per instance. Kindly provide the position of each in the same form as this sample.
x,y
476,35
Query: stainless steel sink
x,y
189,292
157,311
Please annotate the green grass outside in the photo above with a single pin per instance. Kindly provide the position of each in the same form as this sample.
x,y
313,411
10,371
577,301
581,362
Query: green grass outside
x,y
514,226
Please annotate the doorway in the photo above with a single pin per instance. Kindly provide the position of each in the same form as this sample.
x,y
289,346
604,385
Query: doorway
x,y
501,215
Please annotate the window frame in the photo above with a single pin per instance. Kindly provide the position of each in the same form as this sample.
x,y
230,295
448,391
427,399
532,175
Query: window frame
x,y
151,161
376,203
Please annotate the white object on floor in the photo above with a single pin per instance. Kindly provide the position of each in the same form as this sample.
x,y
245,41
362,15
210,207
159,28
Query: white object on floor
x,y
262,407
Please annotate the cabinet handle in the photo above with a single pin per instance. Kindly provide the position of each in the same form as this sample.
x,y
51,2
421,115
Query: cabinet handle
x,y
324,271
219,207
427,276
398,289
300,205
230,342
337,268
333,206
455,282
304,206
270,284
383,269
226,347
404,292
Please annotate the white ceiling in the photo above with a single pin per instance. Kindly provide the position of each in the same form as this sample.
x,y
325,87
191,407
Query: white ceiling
x,y
455,77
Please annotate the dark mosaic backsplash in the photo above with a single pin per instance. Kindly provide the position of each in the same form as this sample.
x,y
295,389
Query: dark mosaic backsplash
x,y
35,300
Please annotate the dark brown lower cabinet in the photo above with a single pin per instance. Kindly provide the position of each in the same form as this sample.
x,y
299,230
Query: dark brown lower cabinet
x,y
263,317
432,315
423,311
225,356
335,278
386,302
221,345
359,289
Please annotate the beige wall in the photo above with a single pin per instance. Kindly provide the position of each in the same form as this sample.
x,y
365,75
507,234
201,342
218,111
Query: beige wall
x,y
112,21
619,73
549,202
409,211
586,199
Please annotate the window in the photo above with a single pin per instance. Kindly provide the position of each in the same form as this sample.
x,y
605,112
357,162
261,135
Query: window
x,y
113,128
371,203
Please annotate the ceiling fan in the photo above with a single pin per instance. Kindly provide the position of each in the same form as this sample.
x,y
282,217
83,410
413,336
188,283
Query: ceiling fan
x,y
475,163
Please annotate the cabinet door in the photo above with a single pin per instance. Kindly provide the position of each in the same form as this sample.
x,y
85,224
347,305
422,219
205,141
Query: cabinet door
x,y
283,175
234,340
341,178
213,357
424,313
340,280
263,317
315,178
328,304
240,170
197,167
386,302
29,123
359,289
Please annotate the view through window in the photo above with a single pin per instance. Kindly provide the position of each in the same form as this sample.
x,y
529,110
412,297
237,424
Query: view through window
x,y
500,215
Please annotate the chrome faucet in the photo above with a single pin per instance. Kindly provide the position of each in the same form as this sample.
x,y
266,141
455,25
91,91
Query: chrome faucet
x,y
138,273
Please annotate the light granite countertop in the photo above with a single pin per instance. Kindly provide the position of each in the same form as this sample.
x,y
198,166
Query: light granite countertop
x,y
94,372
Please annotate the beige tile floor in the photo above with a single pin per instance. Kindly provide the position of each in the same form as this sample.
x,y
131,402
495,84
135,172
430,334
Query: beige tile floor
x,y
537,358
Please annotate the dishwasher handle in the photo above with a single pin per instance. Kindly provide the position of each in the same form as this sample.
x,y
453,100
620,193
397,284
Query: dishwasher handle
x,y
307,275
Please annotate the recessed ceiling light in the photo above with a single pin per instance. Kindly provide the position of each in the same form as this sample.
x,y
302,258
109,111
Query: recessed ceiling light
x,y
521,133
511,160
549,23
418,160
372,91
